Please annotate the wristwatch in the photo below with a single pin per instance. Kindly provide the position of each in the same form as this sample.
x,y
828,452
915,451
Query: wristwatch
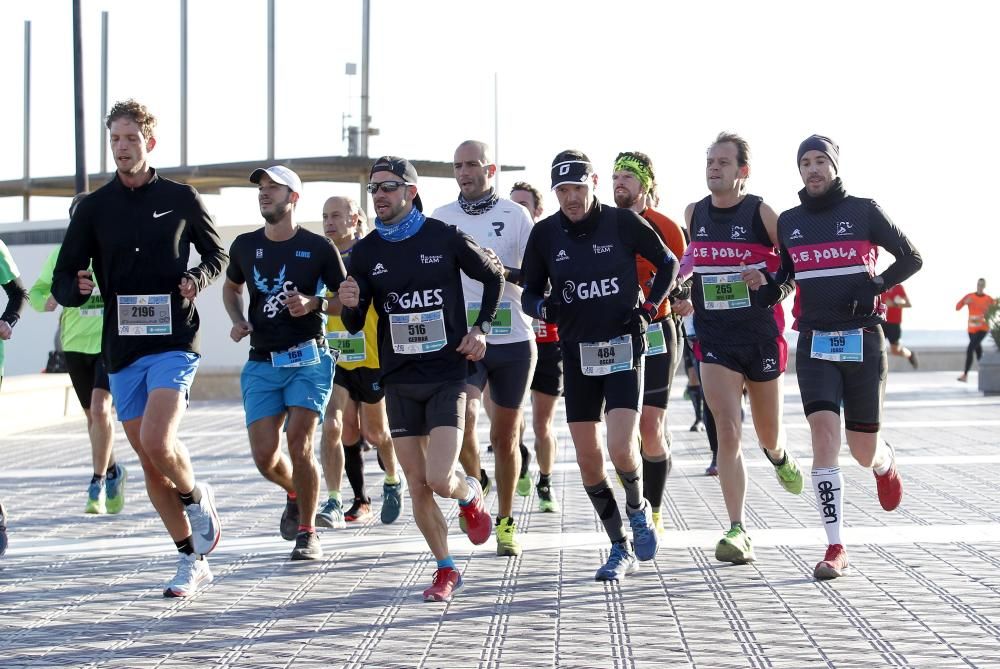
x,y
485,327
323,304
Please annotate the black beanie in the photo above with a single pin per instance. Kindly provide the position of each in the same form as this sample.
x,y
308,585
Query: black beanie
x,y
824,144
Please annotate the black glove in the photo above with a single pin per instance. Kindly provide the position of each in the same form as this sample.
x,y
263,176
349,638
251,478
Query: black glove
x,y
549,310
862,301
640,318
767,295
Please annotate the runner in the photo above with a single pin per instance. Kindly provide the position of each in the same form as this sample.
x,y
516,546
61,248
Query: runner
x,y
136,232
10,279
287,380
829,245
895,300
634,186
80,334
410,272
586,251
977,302
546,383
356,411
501,227
733,238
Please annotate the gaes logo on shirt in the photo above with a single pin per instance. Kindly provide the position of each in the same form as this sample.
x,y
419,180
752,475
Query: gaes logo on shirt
x,y
379,269
845,229
738,232
277,294
562,255
588,290
415,299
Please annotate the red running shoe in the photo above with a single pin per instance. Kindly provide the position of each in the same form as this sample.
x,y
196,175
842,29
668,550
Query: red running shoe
x,y
447,581
478,524
890,487
834,564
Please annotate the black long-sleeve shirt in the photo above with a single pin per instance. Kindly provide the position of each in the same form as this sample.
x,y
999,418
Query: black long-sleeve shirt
x,y
418,277
139,240
592,269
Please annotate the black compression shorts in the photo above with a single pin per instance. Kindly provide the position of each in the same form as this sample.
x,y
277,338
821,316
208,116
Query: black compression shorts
x,y
361,383
414,409
659,375
586,396
508,368
858,386
756,362
87,372
548,378
893,332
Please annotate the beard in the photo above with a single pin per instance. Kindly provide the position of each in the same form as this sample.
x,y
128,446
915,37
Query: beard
x,y
625,199
278,213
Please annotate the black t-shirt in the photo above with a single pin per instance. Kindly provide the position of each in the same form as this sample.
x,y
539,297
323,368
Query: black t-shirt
x,y
305,263
418,277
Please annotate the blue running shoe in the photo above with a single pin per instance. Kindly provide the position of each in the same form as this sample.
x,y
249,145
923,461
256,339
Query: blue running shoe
x,y
392,502
644,536
96,501
621,563
114,489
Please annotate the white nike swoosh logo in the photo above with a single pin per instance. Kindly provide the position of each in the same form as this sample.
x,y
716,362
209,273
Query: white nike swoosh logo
x,y
158,215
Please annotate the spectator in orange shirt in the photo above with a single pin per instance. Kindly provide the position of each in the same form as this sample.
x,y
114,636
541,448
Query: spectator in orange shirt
x,y
977,302
895,300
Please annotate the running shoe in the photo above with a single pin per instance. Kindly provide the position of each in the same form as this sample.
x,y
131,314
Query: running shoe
x,y
447,581
658,523
96,497
3,529
206,528
331,515
735,547
644,539
712,469
789,474
834,564
506,538
913,360
524,481
546,502
290,520
478,524
114,489
889,485
192,573
360,510
621,563
307,547
392,502
484,482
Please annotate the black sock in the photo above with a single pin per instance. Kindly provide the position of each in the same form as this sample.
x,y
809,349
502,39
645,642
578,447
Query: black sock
x,y
603,499
544,479
96,478
112,471
185,546
525,460
654,480
694,392
711,433
354,467
484,478
188,498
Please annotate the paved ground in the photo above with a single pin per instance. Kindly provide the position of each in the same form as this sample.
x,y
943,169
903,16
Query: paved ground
x,y
85,591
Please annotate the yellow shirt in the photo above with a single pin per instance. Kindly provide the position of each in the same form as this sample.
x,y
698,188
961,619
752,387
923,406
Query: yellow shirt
x,y
360,350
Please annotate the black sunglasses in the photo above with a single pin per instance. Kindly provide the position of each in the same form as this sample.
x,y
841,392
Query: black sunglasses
x,y
386,186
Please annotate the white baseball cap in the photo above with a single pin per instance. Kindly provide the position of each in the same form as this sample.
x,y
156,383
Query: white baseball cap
x,y
280,174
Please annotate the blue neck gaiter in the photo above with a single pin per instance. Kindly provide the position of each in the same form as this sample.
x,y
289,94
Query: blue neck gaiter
x,y
405,229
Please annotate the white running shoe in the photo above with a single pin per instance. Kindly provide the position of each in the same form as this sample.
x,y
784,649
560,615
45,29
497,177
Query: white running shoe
x,y
192,573
205,526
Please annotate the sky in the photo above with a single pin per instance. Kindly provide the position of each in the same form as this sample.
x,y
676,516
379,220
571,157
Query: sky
x,y
903,87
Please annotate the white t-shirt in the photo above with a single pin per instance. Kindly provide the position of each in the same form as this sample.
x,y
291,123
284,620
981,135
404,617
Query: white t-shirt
x,y
505,229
